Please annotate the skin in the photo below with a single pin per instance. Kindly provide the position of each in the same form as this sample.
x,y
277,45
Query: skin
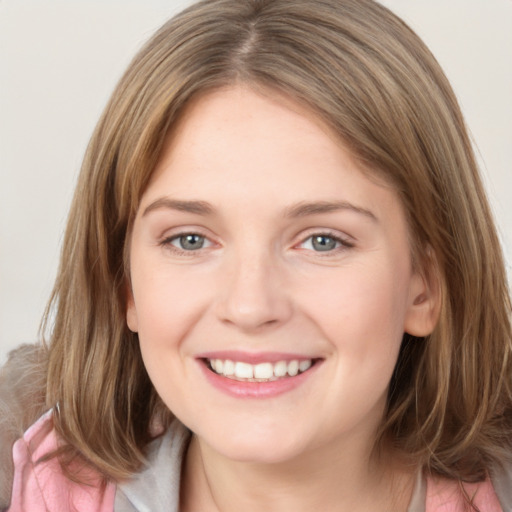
x,y
259,285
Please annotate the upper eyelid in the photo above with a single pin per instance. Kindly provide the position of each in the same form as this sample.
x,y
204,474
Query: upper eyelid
x,y
167,244
172,239
175,236
342,241
176,232
170,235
333,233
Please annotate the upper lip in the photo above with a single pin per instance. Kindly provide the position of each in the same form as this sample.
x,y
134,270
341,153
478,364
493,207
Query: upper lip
x,y
254,357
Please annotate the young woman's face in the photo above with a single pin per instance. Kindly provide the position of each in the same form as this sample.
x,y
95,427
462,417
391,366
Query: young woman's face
x,y
271,281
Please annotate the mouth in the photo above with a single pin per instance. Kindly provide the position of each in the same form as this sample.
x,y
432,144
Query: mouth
x,y
265,371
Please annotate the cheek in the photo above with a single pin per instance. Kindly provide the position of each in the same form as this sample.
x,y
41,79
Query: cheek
x,y
166,300
168,308
361,314
362,302
156,312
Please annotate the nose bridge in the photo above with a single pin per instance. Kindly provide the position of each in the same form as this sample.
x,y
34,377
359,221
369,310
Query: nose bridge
x,y
254,295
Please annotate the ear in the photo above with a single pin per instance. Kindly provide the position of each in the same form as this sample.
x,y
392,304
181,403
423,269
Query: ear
x,y
424,299
131,311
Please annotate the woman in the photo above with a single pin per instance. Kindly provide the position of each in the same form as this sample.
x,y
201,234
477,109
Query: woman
x,y
280,238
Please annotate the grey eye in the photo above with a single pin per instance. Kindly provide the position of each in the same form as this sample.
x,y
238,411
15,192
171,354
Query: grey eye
x,y
189,242
323,243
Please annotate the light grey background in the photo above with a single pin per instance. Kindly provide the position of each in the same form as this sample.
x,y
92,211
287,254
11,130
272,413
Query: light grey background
x,y
59,61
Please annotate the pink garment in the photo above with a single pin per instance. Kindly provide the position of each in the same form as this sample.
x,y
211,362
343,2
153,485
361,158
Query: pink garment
x,y
42,487
447,496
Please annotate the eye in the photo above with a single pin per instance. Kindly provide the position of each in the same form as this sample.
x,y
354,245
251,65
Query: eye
x,y
322,242
188,242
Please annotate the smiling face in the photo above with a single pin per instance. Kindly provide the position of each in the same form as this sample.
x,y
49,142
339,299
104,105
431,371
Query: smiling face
x,y
271,281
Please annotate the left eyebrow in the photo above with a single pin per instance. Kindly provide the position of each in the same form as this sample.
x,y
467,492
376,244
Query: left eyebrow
x,y
197,207
315,208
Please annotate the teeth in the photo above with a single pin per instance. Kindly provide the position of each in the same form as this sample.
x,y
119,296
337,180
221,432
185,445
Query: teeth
x,y
280,369
259,372
229,368
293,368
244,370
263,371
305,365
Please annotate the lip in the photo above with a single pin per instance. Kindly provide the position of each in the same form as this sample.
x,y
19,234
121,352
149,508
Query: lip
x,y
261,390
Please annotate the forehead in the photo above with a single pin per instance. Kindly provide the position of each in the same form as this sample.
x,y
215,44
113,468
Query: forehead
x,y
265,116
262,146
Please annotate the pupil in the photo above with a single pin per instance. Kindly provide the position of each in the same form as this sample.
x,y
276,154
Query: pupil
x,y
191,242
324,243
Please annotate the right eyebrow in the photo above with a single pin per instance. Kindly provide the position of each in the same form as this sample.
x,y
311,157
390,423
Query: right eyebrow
x,y
197,207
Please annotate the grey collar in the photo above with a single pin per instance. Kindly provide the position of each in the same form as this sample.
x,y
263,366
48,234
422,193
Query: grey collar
x,y
157,486
419,495
501,478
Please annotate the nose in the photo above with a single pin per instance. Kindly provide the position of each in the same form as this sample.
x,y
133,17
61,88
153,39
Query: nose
x,y
254,295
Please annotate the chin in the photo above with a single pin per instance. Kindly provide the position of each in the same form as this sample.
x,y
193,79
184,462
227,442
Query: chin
x,y
257,447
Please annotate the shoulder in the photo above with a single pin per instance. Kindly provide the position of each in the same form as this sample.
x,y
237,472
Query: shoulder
x,y
157,486
22,401
40,485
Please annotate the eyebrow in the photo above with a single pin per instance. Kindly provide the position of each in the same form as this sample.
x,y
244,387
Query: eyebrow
x,y
197,207
302,209
315,208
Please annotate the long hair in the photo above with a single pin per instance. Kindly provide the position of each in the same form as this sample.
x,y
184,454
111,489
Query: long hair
x,y
366,74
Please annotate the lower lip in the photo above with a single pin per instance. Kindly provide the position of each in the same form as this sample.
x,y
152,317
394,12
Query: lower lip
x,y
244,389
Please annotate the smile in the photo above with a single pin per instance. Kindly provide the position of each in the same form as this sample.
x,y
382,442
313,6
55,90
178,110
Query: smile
x,y
261,375
261,372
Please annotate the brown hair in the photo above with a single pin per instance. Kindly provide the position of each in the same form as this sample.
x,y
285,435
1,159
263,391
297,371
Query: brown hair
x,y
371,78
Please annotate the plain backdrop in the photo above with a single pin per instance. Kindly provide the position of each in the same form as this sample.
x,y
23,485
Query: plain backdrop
x,y
59,61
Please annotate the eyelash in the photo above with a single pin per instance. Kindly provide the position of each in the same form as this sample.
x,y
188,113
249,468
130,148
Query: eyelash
x,y
168,243
341,243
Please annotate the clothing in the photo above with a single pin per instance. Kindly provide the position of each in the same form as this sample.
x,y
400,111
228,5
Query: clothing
x,y
41,487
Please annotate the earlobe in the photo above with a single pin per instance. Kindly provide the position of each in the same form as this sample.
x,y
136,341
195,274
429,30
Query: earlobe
x,y
131,311
424,303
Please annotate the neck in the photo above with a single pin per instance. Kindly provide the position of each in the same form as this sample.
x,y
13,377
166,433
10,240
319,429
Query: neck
x,y
332,480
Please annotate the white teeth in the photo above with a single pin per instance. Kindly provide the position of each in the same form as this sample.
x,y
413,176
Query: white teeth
x,y
229,368
280,369
261,371
293,368
244,370
305,365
